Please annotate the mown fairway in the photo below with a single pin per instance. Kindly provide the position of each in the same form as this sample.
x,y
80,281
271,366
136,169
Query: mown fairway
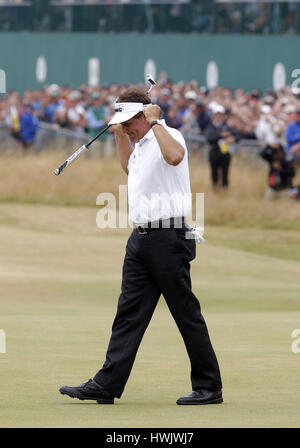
x,y
59,285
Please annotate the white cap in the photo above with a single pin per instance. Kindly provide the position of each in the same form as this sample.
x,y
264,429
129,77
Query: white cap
x,y
53,87
74,95
190,95
284,100
125,111
289,109
219,109
265,109
216,108
165,92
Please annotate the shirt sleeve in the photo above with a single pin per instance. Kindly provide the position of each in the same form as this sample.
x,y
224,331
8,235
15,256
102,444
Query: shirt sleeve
x,y
177,136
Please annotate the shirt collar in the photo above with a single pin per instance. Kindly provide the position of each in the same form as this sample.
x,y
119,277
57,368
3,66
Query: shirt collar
x,y
150,134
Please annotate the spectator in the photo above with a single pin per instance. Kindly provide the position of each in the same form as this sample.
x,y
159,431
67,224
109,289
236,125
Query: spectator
x,y
53,103
181,107
29,124
293,136
270,130
293,141
61,114
220,138
173,114
76,114
203,117
164,102
12,118
189,119
97,115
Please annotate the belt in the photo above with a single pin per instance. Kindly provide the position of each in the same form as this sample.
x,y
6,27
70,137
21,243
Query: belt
x,y
171,223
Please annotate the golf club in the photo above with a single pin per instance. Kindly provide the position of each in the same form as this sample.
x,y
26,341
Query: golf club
x,y
82,149
151,82
77,153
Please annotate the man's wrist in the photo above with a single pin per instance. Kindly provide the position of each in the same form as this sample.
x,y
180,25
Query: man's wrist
x,y
153,123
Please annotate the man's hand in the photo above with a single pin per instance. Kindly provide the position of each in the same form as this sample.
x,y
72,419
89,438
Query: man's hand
x,y
172,150
123,145
152,113
117,129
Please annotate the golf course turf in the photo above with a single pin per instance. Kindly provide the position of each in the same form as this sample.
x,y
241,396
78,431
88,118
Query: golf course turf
x,y
59,284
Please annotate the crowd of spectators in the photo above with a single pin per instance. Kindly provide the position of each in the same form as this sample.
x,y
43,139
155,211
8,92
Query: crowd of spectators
x,y
221,115
193,16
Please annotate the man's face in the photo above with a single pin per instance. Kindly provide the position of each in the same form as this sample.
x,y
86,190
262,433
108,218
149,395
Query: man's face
x,y
136,128
97,102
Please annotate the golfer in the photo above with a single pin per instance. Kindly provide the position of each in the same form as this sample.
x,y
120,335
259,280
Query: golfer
x,y
158,255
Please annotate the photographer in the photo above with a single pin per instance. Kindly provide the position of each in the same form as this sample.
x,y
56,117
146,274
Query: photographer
x,y
270,132
281,170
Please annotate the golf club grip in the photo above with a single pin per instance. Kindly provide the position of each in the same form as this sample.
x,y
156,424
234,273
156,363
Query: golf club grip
x,y
70,160
78,152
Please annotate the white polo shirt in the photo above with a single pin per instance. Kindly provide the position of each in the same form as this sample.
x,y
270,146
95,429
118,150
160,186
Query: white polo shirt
x,y
156,189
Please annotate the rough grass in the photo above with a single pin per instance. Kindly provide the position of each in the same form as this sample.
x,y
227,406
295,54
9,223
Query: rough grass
x,y
30,179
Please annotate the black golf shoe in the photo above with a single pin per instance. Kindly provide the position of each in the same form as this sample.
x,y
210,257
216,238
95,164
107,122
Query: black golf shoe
x,y
201,397
88,391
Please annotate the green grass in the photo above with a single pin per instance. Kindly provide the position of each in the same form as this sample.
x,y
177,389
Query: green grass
x,y
59,285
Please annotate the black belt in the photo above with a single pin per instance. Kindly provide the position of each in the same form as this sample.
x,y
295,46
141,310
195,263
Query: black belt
x,y
171,223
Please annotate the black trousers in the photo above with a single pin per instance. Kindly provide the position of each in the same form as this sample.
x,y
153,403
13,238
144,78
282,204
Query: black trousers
x,y
158,263
219,162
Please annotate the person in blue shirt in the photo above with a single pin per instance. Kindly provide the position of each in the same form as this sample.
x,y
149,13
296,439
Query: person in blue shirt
x,y
29,124
164,102
203,117
50,109
293,136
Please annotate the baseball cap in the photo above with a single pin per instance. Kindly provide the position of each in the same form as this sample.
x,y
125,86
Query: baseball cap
x,y
74,95
284,100
54,90
95,95
289,109
126,111
216,108
269,99
190,95
265,109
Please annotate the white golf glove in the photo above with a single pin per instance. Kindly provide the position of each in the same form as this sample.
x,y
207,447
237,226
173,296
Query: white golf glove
x,y
196,232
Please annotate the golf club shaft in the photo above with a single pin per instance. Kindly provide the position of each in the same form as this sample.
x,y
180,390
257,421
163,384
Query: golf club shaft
x,y
77,153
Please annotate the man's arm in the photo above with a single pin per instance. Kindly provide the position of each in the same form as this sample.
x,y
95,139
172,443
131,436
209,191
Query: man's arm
x,y
295,148
123,145
172,150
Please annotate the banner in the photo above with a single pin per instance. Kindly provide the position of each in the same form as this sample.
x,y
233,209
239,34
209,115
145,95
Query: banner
x,y
117,2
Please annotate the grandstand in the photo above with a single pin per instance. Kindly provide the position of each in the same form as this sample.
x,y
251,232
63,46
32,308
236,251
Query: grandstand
x,y
152,16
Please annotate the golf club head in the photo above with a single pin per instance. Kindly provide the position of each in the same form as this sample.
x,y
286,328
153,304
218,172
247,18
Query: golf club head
x,y
150,81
